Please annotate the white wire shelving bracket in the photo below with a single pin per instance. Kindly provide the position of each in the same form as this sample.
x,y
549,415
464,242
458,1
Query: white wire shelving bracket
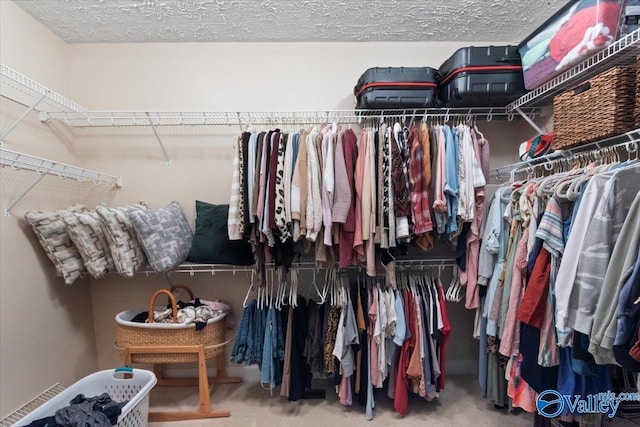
x,y
630,141
44,167
622,52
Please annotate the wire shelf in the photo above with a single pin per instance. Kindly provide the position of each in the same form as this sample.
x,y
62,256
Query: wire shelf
x,y
193,268
40,165
53,106
23,90
622,52
273,118
628,139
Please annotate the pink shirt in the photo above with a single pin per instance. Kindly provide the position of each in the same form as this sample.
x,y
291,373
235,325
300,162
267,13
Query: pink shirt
x,y
359,182
510,343
440,202
470,277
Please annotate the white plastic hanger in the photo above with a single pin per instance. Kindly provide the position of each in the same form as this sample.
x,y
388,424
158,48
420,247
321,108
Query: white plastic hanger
x,y
293,291
259,298
321,295
246,297
453,291
277,300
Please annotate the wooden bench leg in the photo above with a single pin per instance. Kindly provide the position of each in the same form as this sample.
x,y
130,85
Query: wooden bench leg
x,y
204,406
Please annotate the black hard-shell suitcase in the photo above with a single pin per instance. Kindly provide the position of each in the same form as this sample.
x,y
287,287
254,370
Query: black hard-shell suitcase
x,y
489,76
396,88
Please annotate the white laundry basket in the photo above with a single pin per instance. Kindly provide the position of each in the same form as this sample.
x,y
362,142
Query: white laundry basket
x,y
122,384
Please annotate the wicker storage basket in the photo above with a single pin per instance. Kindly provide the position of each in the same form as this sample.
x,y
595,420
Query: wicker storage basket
x,y
599,108
133,334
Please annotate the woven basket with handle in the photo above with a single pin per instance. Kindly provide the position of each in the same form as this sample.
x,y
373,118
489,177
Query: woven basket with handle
x,y
601,107
131,334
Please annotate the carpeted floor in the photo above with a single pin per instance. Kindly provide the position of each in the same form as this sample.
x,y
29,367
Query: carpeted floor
x,y
460,405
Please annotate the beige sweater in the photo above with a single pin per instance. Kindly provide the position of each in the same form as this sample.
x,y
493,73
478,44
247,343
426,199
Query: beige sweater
x,y
299,190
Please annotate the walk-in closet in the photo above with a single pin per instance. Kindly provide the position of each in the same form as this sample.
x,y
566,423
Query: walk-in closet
x,y
245,213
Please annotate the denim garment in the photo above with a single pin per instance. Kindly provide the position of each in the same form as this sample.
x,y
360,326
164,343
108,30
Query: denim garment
x,y
452,186
273,349
240,351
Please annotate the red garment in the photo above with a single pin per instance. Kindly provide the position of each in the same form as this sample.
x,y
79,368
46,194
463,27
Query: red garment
x,y
534,301
446,331
401,402
347,230
573,31
419,190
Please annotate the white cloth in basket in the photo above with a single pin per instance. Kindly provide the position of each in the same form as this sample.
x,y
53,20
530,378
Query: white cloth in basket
x,y
188,315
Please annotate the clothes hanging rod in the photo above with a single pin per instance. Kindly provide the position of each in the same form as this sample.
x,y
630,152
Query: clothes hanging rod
x,y
403,264
243,119
582,157
632,137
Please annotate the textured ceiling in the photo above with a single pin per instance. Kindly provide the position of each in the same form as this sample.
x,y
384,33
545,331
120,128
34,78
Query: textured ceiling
x,y
132,21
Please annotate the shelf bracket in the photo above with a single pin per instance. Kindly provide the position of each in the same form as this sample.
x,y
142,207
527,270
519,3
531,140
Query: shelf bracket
x,y
24,193
21,118
155,131
528,120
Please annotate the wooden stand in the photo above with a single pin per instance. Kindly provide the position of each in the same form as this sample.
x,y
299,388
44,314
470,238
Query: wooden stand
x,y
203,381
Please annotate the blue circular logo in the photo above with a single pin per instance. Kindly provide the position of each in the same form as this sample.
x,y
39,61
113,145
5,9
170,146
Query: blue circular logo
x,y
550,403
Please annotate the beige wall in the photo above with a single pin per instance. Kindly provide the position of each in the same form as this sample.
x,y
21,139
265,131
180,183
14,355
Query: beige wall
x,y
225,77
46,327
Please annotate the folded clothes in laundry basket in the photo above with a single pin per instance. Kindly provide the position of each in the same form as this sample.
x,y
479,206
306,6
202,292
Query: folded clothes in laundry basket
x,y
97,411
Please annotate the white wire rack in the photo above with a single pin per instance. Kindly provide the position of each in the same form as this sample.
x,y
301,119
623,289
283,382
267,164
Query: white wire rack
x,y
192,268
25,91
53,106
629,141
624,51
40,165
272,118
44,167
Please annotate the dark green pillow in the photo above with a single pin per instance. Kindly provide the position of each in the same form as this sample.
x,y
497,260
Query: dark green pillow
x,y
211,244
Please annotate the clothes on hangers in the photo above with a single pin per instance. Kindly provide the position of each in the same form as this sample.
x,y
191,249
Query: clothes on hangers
x,y
555,270
330,192
366,336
